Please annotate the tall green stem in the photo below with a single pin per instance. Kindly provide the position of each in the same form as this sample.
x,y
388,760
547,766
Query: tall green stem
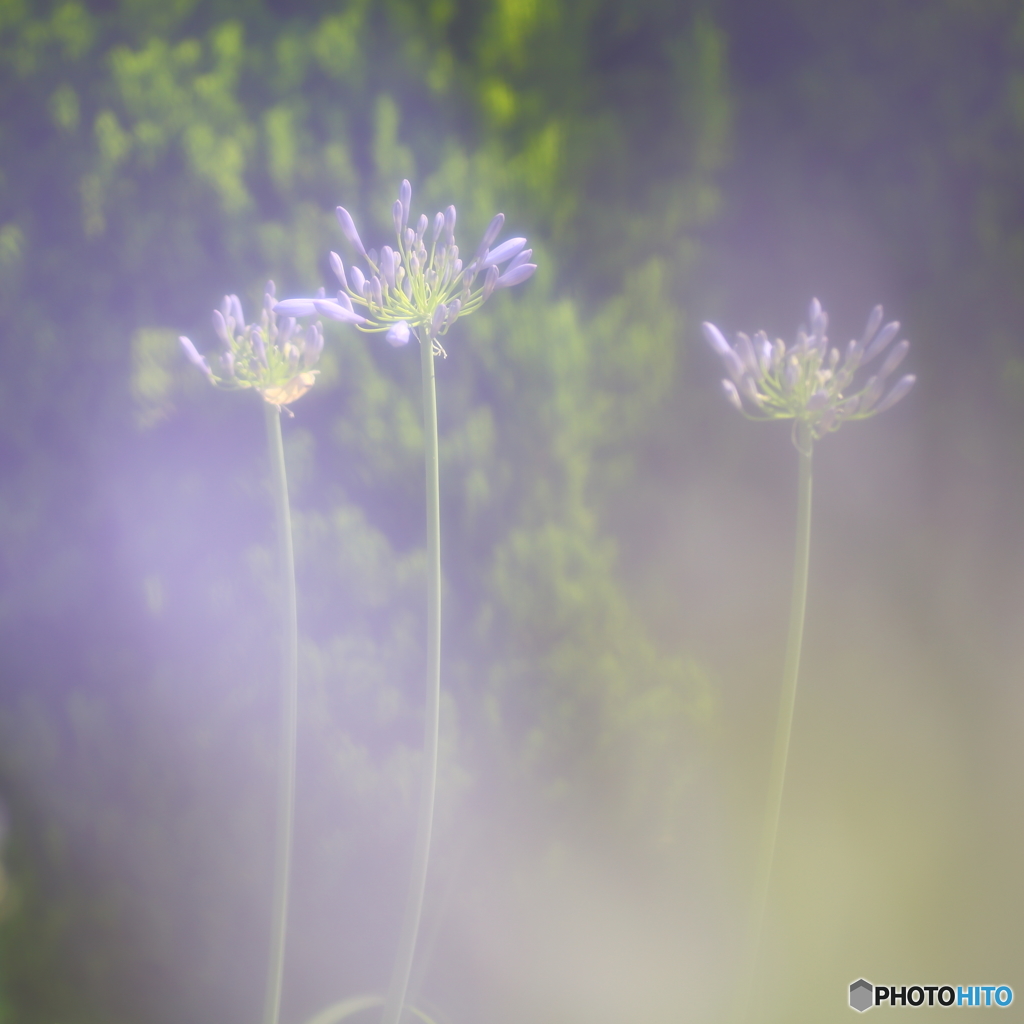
x,y
289,716
790,674
428,781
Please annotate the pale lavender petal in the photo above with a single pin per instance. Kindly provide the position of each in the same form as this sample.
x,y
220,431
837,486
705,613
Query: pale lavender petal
x,y
398,334
715,338
405,198
888,332
490,281
236,311
900,388
732,394
490,235
338,312
516,276
193,355
894,358
295,307
438,318
871,328
339,269
504,251
397,215
449,224
348,226
220,326
358,281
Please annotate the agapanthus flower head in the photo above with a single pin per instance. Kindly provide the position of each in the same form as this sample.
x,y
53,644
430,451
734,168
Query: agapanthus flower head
x,y
810,382
419,287
274,356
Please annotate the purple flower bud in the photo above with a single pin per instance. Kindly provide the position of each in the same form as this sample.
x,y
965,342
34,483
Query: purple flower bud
x,y
387,265
258,347
358,281
449,225
320,293
438,318
339,269
221,327
888,332
398,334
375,290
295,307
871,329
421,226
348,226
894,358
715,338
409,238
193,356
397,215
453,311
405,198
338,312
516,276
457,268
227,362
791,374
236,311
732,394
504,251
490,235
853,356
763,348
900,388
438,224
745,350
489,282
778,352
344,300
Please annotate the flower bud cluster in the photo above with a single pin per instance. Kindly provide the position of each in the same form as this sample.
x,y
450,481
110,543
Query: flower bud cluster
x,y
421,286
273,357
811,382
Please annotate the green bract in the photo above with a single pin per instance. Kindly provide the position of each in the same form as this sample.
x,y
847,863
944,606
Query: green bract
x,y
811,383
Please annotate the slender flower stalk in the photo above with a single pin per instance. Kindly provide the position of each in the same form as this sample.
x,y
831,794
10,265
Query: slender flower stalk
x,y
418,289
277,362
812,385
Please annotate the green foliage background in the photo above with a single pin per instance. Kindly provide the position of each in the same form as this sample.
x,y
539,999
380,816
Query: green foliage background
x,y
615,540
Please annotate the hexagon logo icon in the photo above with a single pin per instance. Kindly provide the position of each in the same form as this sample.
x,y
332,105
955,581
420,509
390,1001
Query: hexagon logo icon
x,y
861,995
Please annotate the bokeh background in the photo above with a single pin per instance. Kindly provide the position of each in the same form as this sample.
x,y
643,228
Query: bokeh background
x,y
617,542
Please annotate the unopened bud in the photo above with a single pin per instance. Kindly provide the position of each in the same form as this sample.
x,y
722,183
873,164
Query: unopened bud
x,y
489,282
490,235
900,388
339,269
398,334
348,226
732,394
